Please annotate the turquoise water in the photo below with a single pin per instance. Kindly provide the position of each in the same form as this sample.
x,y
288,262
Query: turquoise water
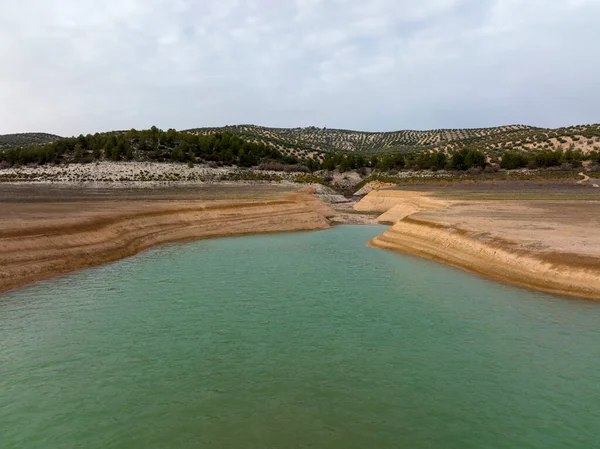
x,y
305,340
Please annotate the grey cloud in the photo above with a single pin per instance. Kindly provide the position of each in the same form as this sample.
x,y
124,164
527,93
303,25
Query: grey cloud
x,y
73,66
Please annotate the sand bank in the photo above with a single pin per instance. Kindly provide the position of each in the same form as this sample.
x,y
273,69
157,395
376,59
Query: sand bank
x,y
42,239
550,246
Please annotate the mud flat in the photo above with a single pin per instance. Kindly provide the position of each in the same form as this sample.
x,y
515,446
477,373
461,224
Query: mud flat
x,y
47,231
545,244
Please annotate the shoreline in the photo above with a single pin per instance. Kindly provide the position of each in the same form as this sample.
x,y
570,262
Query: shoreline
x,y
540,245
522,253
57,240
458,249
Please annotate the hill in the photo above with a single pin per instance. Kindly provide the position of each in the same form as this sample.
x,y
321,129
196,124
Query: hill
x,y
510,147
493,142
327,140
24,139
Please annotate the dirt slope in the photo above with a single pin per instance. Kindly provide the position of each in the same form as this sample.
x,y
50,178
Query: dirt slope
x,y
42,240
550,246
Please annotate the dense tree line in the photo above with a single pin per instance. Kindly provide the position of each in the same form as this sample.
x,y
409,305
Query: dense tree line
x,y
544,159
463,159
153,144
343,162
224,148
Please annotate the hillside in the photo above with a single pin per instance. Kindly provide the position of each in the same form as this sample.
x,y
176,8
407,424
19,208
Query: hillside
x,y
493,142
324,139
23,139
312,149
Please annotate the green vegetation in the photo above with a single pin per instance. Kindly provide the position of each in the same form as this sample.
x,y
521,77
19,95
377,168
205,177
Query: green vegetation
x,y
545,159
512,160
429,150
490,141
465,159
323,140
153,144
312,149
23,139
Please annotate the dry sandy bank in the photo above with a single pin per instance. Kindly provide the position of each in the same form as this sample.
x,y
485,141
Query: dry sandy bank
x,y
44,234
547,245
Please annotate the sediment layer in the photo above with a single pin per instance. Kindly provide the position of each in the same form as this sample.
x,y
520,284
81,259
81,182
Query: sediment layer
x,y
495,259
546,246
43,245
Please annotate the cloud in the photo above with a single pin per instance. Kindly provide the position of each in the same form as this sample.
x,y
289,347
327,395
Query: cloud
x,y
72,66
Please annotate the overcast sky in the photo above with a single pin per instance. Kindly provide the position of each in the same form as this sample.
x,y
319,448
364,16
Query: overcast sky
x,y
79,66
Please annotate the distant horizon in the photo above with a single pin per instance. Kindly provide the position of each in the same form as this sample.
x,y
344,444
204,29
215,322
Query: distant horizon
x,y
302,127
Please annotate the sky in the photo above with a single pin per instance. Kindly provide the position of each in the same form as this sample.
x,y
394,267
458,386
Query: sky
x,y
83,66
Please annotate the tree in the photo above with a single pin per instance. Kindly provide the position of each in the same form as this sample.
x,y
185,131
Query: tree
x,y
143,144
109,146
328,163
81,140
155,151
122,143
171,136
246,158
385,163
572,156
177,155
312,165
399,160
133,134
345,165
360,162
512,160
154,131
439,161
96,152
465,159
184,148
547,159
475,158
351,161
78,152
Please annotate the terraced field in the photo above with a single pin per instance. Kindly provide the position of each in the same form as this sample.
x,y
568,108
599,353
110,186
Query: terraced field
x,y
585,138
313,142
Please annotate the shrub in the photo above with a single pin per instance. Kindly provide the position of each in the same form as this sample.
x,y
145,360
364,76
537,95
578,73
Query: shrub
x,y
272,166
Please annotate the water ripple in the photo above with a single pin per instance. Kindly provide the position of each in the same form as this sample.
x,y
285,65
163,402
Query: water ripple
x,y
294,340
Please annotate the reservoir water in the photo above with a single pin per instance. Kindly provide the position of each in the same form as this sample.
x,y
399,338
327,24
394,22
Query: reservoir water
x,y
304,340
